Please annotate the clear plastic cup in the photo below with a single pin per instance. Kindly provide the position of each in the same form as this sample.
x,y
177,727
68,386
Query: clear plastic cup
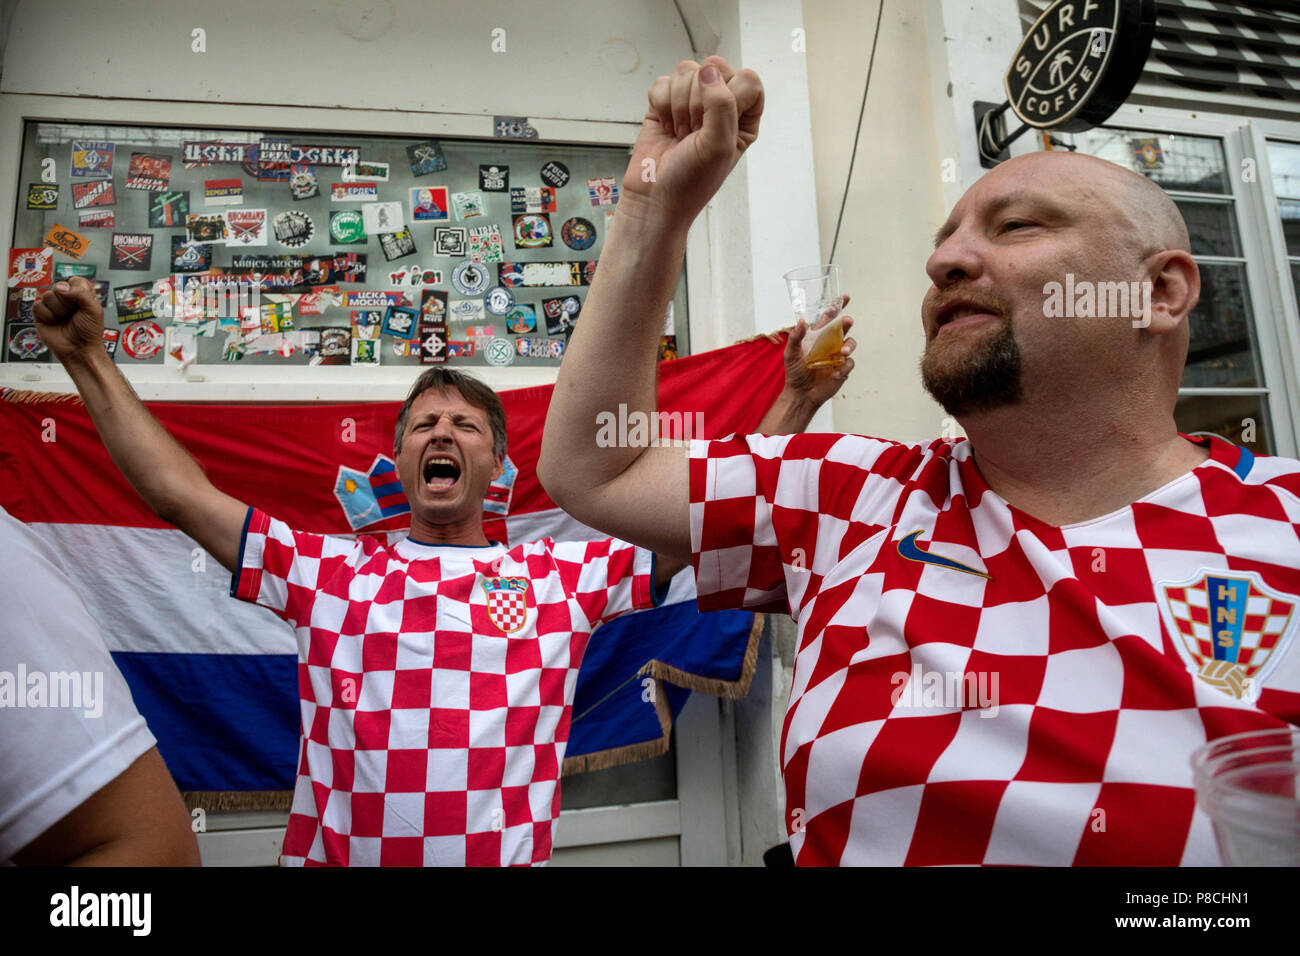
x,y
813,290
1249,786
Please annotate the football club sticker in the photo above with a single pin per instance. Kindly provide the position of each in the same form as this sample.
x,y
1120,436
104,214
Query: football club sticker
x,y
433,306
190,256
541,274
293,229
365,352
367,322
302,182
245,227
42,196
168,209
485,244
96,219
578,233
21,302
498,352
400,321
603,191
354,192
223,192
532,231
513,127
468,204
64,240
498,300
143,340
459,350
428,202
470,278
524,346
135,301
532,199
66,270
426,158
561,313
93,194
30,267
92,159
25,344
209,227
1230,628
397,245
450,241
555,174
335,346
378,172
494,179
346,228
522,319
148,171
466,310
433,343
132,251
378,217
111,337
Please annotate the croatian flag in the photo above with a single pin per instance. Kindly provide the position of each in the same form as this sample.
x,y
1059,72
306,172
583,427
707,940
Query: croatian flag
x,y
217,678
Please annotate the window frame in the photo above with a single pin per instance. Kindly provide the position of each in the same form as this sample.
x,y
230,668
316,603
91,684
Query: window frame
x,y
1277,325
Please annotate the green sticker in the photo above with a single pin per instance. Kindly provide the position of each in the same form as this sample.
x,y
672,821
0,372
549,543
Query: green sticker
x,y
66,270
346,227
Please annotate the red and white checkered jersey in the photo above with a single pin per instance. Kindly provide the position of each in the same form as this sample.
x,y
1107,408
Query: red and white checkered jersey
x,y
436,684
975,686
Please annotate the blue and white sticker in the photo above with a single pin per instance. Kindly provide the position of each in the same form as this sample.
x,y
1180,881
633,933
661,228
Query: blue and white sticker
x,y
499,300
470,278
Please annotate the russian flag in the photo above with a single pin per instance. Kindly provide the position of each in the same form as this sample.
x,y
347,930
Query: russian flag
x,y
216,678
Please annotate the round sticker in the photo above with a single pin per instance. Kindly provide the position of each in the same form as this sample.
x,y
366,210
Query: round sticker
x,y
499,351
470,278
293,229
578,233
346,227
26,344
532,231
142,340
498,300
522,318
555,174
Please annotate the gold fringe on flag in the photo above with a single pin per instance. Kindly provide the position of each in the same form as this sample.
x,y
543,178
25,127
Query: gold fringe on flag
x,y
238,799
732,690
27,396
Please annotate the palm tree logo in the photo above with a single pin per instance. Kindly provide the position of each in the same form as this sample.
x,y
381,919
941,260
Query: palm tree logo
x,y
1057,67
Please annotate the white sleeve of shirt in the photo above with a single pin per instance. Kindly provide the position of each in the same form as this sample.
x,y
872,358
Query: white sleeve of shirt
x,y
54,757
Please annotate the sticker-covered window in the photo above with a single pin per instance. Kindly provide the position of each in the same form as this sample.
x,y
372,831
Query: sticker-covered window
x,y
259,247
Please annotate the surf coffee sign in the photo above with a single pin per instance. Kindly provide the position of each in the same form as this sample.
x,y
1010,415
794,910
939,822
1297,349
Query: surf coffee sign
x,y
1079,62
1075,66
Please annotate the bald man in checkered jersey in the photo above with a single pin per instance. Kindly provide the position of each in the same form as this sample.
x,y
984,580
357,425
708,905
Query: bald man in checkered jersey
x,y
1118,593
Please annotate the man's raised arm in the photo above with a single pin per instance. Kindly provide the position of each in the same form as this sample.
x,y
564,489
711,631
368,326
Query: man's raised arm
x,y
71,322
699,123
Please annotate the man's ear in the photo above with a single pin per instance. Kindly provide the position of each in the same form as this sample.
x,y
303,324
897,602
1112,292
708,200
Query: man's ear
x,y
500,467
1175,289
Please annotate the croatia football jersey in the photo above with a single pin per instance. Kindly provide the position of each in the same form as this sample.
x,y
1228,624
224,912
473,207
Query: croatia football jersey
x,y
436,684
975,686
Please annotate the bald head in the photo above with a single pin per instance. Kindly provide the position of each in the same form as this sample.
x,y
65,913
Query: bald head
x,y
1151,218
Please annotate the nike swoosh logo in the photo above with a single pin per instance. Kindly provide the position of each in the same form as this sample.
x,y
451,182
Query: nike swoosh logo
x,y
908,549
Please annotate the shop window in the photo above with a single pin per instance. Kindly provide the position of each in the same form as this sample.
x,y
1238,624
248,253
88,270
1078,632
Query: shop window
x,y
276,247
1223,357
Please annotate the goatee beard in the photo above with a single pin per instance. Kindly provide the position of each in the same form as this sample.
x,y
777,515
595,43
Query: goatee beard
x,y
981,379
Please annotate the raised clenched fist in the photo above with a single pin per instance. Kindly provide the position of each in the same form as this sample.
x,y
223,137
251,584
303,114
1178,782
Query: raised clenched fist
x,y
69,318
700,121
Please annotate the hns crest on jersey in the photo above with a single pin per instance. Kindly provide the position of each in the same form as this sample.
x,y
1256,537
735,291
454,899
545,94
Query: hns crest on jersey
x,y
1229,626
507,602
